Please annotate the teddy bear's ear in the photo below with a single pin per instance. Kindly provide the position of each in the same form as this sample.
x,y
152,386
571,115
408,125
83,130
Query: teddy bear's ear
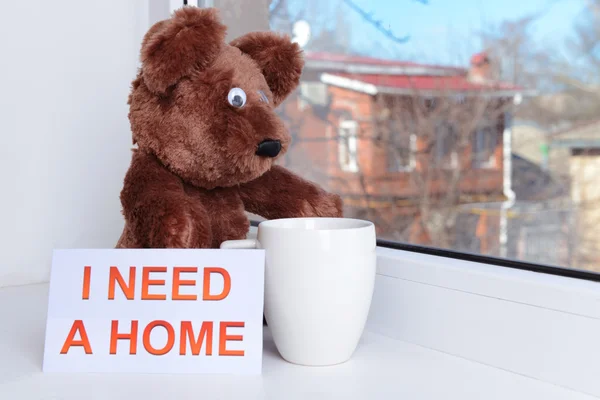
x,y
278,57
174,48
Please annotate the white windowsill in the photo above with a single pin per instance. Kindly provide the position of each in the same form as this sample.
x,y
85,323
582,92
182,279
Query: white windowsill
x,y
542,326
438,328
382,368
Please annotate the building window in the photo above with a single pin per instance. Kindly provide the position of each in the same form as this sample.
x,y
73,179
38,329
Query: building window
x,y
484,145
444,148
400,145
400,151
348,145
312,94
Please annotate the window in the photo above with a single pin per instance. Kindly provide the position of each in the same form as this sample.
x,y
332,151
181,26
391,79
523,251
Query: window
x,y
444,145
312,94
467,204
400,151
484,145
461,173
401,144
348,145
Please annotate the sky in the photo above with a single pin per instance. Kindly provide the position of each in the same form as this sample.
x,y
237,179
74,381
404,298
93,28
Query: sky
x,y
444,31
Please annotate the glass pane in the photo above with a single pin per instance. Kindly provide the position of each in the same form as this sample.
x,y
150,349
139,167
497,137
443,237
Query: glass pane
x,y
467,125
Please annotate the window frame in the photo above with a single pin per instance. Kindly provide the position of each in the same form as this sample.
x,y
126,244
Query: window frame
x,y
489,260
484,259
509,318
349,149
451,254
506,318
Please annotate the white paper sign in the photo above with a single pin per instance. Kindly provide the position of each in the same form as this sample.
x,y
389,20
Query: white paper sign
x,y
155,311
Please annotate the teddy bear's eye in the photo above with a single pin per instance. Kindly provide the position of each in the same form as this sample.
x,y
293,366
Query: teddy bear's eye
x,y
237,97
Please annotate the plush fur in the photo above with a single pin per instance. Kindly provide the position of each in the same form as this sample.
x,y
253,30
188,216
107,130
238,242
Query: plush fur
x,y
174,48
195,171
279,59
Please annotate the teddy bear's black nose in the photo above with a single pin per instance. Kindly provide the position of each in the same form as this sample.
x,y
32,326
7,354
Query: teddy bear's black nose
x,y
268,148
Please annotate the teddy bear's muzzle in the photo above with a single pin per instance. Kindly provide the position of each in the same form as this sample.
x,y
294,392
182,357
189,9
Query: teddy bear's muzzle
x,y
268,148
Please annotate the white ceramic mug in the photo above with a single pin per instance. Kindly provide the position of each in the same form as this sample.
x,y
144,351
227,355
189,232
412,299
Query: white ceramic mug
x,y
319,278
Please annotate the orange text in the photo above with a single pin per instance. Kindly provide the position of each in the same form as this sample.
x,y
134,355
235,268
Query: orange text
x,y
153,283
196,339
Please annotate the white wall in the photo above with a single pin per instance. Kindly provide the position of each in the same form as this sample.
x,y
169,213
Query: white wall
x,y
65,72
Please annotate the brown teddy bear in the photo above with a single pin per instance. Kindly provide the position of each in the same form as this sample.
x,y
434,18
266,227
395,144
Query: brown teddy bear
x,y
202,115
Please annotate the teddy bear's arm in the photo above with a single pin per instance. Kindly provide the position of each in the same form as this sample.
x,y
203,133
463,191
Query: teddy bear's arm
x,y
158,212
279,193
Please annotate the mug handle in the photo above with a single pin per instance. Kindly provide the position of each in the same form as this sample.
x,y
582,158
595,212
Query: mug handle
x,y
240,244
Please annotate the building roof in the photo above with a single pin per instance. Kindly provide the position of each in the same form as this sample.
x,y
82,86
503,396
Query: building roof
x,y
582,135
452,83
372,75
531,183
320,58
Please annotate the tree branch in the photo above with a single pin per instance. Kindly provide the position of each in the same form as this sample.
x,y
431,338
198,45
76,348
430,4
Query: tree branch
x,y
377,24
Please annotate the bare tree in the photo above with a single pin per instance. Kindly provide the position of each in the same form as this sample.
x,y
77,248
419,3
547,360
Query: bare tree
x,y
433,138
567,107
436,134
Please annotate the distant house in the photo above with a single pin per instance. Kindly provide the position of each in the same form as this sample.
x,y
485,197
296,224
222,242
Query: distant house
x,y
533,183
399,139
539,225
576,152
530,141
563,176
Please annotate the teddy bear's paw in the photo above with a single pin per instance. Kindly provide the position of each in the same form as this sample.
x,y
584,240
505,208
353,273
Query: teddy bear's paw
x,y
182,230
179,231
325,205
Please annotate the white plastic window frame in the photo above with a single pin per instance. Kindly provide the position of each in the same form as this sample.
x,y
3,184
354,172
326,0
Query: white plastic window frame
x,y
526,319
533,320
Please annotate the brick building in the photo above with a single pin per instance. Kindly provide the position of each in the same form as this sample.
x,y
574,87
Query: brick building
x,y
406,145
